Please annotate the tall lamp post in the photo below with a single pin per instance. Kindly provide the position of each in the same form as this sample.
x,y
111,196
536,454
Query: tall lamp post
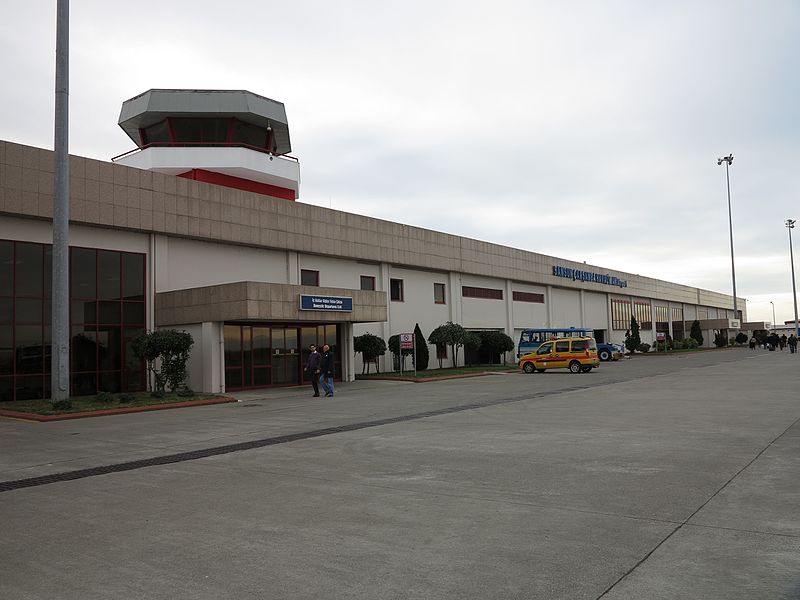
x,y
728,160
790,226
773,314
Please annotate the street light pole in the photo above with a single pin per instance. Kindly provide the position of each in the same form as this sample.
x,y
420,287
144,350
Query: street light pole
x,y
790,226
728,160
773,313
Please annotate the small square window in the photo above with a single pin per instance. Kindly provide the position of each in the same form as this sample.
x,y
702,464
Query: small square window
x,y
367,283
439,293
309,277
396,289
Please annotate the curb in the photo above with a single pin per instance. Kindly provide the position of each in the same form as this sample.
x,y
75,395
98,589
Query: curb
x,y
111,411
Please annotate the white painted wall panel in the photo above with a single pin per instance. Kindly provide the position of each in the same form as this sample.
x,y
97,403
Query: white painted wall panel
x,y
566,308
595,308
182,264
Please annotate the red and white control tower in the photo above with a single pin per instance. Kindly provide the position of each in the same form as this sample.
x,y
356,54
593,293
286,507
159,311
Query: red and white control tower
x,y
232,138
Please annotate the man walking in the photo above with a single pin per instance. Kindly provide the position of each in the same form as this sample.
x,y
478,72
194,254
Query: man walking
x,y
312,366
792,344
327,370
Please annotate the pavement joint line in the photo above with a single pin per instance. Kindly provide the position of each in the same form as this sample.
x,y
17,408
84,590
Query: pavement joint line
x,y
755,531
6,486
699,508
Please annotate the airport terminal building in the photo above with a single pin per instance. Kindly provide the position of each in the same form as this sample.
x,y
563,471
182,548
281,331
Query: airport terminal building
x,y
200,229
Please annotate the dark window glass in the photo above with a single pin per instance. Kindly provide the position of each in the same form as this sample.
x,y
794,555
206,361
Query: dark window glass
x,y
215,130
84,273
479,292
47,340
367,283
134,381
29,310
108,275
29,268
261,376
84,384
110,313
30,387
110,382
187,130
133,313
438,293
28,351
48,270
580,345
133,276
546,348
233,378
47,311
156,133
528,297
84,349
6,310
250,135
109,348
233,346
309,277
131,361
6,268
84,311
6,389
396,289
562,346
6,350
261,346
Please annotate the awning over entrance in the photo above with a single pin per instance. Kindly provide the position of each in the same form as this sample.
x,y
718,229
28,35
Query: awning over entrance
x,y
259,301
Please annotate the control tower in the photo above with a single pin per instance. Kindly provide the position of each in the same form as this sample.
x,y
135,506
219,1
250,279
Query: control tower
x,y
232,138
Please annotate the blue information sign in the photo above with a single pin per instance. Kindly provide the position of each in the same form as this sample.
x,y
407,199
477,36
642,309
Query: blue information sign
x,y
337,303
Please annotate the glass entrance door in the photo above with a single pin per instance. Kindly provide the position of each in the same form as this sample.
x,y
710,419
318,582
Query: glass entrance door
x,y
285,356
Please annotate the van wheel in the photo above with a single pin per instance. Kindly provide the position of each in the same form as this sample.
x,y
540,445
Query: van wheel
x,y
604,355
574,367
528,367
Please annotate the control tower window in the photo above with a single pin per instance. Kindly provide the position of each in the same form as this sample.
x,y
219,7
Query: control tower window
x,y
250,135
200,130
155,134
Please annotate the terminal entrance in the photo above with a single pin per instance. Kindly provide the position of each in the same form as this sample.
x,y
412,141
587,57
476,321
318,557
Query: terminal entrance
x,y
269,354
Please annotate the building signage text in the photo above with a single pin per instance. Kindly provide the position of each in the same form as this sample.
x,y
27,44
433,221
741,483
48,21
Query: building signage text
x,y
578,275
335,303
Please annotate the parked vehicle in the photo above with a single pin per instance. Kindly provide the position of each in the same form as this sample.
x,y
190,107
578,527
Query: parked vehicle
x,y
531,339
578,354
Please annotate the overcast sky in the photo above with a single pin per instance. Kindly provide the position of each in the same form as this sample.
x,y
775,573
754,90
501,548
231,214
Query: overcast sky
x,y
587,130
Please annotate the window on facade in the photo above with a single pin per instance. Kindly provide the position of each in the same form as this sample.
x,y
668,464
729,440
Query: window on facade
x,y
439,293
367,283
309,277
643,314
480,292
107,311
396,289
620,314
527,297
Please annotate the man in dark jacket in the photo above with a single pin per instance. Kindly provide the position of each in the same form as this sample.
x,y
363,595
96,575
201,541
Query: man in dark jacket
x,y
327,370
312,367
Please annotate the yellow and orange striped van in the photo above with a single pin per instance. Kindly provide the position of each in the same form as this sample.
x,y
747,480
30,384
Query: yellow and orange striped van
x,y
578,354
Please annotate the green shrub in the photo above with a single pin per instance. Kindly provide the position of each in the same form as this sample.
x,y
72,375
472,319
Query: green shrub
x,y
125,398
690,344
158,394
186,393
105,397
62,404
643,348
166,352
741,338
696,333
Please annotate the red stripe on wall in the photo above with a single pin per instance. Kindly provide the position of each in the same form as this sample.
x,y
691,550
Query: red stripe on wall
x,y
240,184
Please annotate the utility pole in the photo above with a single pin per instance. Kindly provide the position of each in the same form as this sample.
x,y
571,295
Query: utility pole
x,y
59,377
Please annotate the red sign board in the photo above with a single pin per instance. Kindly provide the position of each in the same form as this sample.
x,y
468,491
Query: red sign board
x,y
406,341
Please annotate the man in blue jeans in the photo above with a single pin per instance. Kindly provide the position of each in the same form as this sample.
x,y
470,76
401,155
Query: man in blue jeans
x,y
326,369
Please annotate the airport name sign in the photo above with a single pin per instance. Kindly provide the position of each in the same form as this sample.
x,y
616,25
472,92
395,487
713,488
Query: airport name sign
x,y
328,303
577,275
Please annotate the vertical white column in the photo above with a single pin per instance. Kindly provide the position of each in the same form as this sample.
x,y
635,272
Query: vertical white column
x,y
549,300
292,268
382,284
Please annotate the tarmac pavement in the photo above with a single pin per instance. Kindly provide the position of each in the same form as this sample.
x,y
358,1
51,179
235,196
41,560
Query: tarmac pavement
x,y
656,477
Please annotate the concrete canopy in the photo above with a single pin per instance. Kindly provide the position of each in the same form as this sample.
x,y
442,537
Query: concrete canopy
x,y
155,105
